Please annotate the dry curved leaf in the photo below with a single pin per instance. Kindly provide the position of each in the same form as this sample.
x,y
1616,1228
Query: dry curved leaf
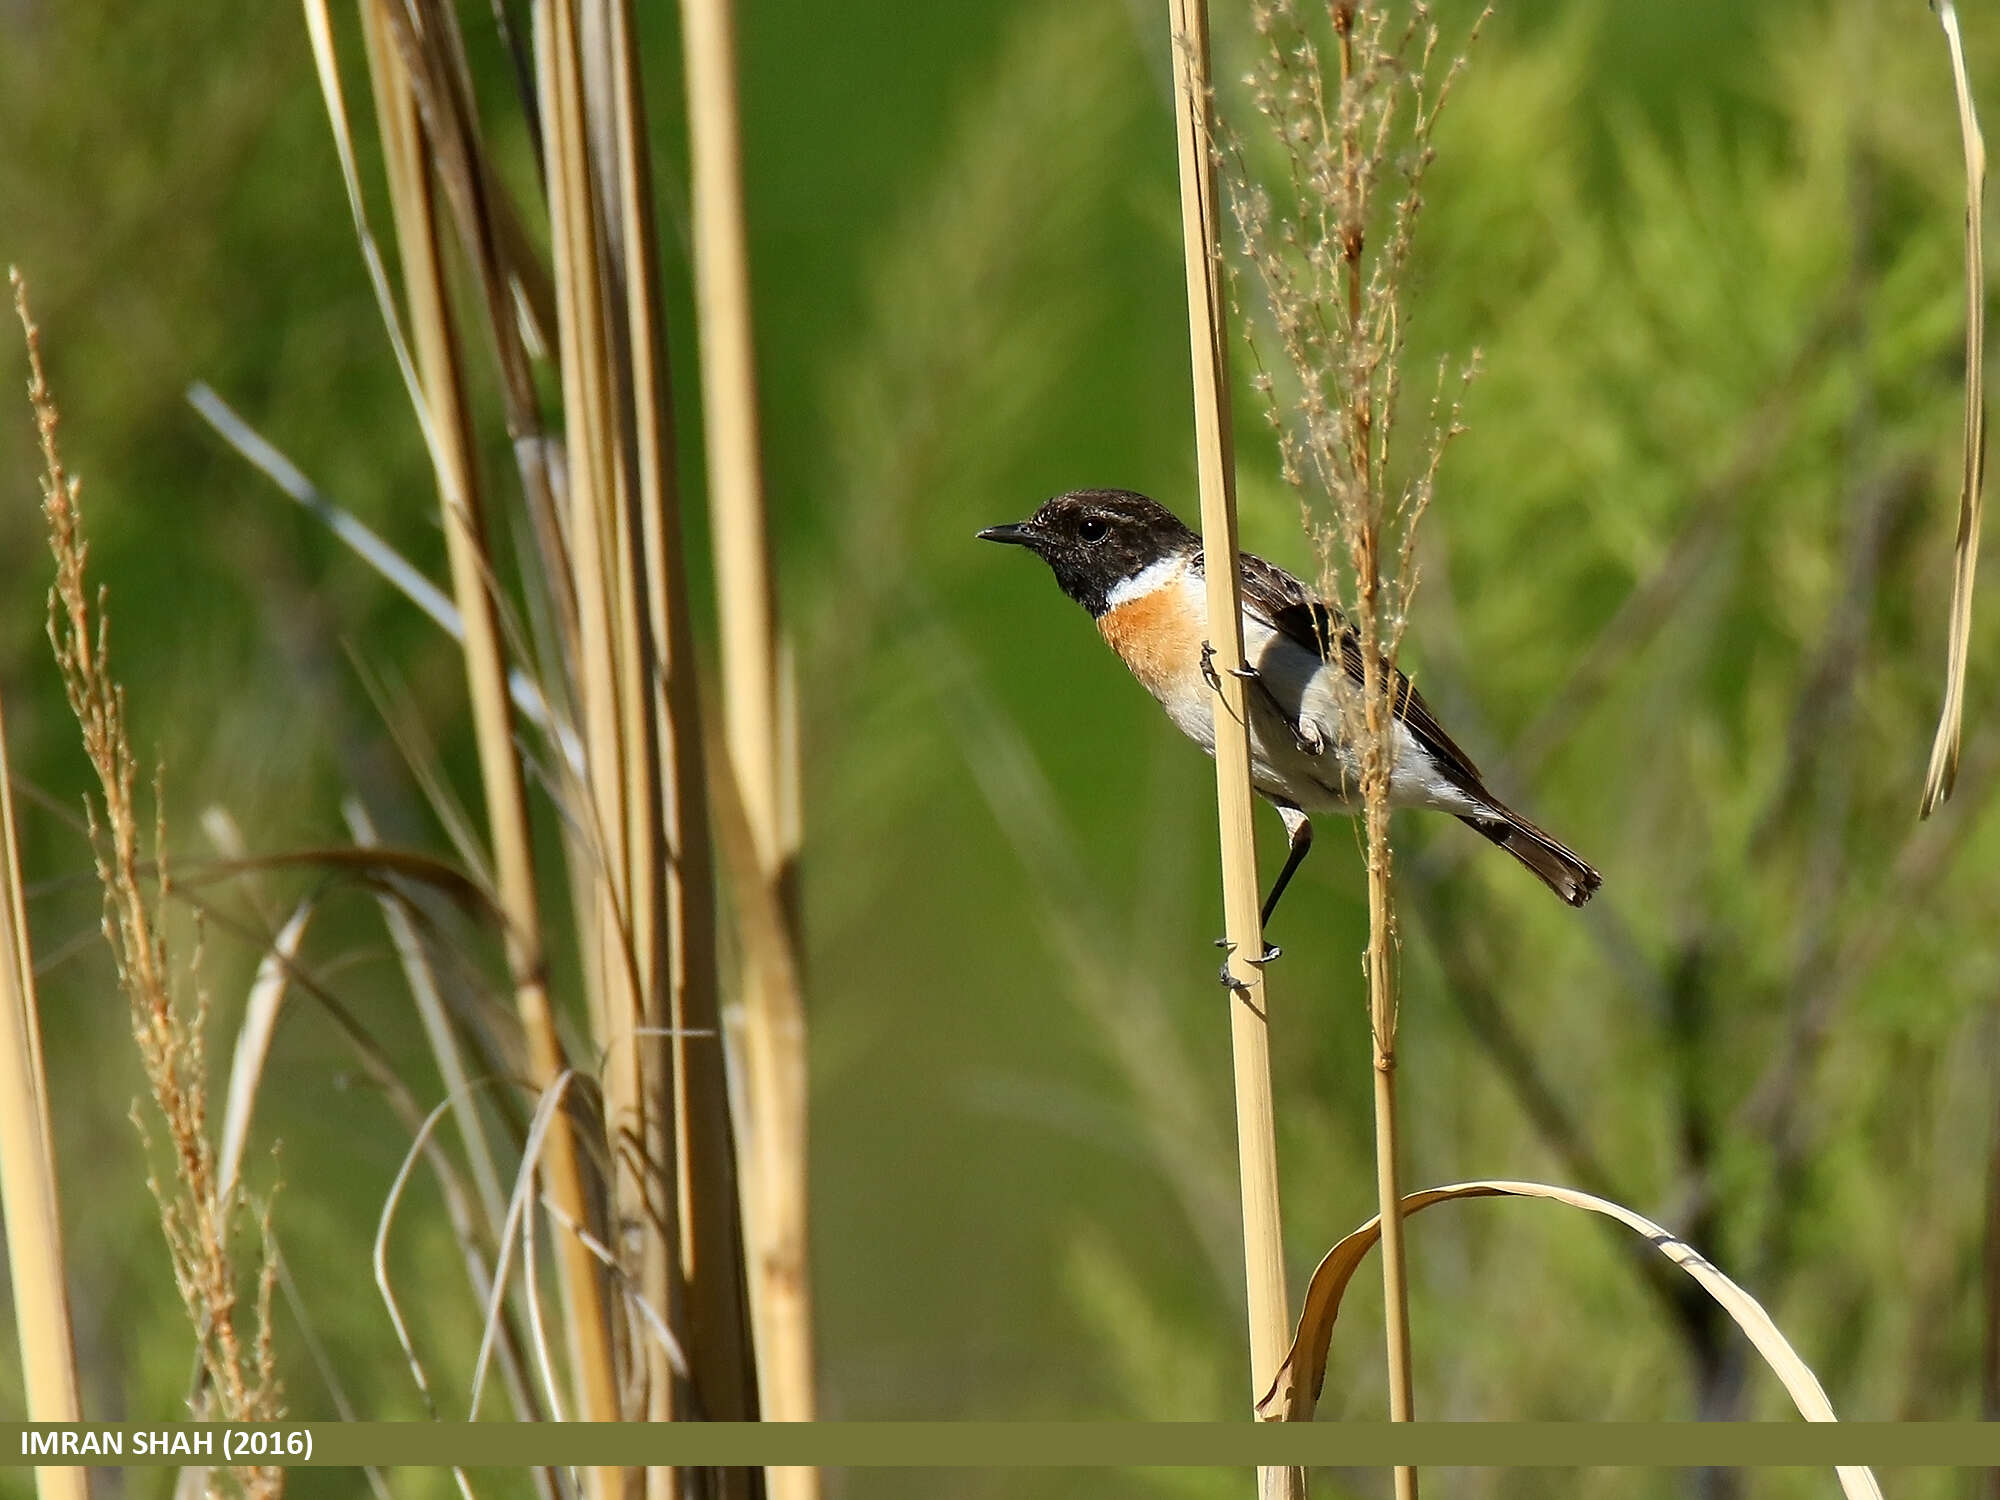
x,y
253,1040
1295,1392
380,1260
1965,560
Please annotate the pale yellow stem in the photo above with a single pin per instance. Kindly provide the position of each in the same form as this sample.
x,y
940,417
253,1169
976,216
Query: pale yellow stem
x,y
1256,1136
28,1196
501,778
774,1030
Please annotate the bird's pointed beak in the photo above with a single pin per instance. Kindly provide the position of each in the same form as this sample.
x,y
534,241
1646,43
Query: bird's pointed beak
x,y
1021,534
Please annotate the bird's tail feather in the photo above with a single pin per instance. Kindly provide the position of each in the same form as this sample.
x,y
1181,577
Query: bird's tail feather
x,y
1558,866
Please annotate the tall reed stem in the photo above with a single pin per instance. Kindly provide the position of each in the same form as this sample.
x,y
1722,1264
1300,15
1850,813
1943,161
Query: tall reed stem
x,y
439,365
28,1174
1366,548
1382,1030
1256,1135
774,1015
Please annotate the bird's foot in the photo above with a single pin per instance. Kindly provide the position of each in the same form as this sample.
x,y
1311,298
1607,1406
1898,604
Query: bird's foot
x,y
1244,673
1229,980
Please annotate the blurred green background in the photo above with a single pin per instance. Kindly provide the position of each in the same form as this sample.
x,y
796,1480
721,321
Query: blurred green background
x,y
1684,596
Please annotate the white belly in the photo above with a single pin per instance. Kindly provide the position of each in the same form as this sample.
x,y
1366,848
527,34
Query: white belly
x,y
1307,691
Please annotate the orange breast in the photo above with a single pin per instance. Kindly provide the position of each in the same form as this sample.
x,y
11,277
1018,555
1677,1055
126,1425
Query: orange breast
x,y
1158,635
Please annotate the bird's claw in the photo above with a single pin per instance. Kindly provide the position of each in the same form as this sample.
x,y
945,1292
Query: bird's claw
x,y
1229,980
1243,673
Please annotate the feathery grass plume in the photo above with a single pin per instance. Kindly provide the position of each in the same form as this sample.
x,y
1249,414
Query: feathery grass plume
x,y
1350,100
203,1218
1355,145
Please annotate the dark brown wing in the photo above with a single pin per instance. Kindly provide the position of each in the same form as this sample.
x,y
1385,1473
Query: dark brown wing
x,y
1299,614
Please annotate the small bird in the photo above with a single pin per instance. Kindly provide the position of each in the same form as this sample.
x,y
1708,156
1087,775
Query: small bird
x,y
1138,569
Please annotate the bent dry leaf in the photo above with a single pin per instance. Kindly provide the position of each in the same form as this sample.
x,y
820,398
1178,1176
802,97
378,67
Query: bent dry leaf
x,y
1296,1391
253,1040
1965,561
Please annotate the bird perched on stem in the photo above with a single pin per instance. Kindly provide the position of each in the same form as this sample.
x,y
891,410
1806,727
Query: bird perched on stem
x,y
1138,569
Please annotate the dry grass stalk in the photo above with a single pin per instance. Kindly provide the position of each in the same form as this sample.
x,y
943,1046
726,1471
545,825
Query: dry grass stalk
x,y
615,929
1331,262
1256,1137
1971,499
29,1201
202,1220
688,1106
673,938
438,364
767,778
606,571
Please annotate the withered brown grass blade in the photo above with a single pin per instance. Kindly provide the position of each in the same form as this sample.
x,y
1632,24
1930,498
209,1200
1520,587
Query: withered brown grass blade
x,y
1965,563
1295,1392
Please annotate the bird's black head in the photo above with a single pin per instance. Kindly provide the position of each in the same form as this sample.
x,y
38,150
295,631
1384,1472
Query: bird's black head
x,y
1094,540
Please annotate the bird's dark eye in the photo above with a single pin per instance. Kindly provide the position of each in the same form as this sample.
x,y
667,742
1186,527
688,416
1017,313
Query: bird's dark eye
x,y
1093,528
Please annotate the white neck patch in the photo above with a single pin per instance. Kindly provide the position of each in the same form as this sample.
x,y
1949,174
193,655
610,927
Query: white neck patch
x,y
1149,578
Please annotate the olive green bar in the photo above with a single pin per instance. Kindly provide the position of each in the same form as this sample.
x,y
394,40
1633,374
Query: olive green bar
x,y
1012,1444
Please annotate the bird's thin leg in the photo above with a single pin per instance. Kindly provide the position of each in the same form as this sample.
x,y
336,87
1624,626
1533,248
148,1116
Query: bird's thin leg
x,y
1300,830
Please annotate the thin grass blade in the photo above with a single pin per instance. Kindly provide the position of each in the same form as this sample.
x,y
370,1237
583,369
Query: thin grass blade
x,y
547,1108
326,61
438,1031
1943,770
253,1041
368,545
379,1255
